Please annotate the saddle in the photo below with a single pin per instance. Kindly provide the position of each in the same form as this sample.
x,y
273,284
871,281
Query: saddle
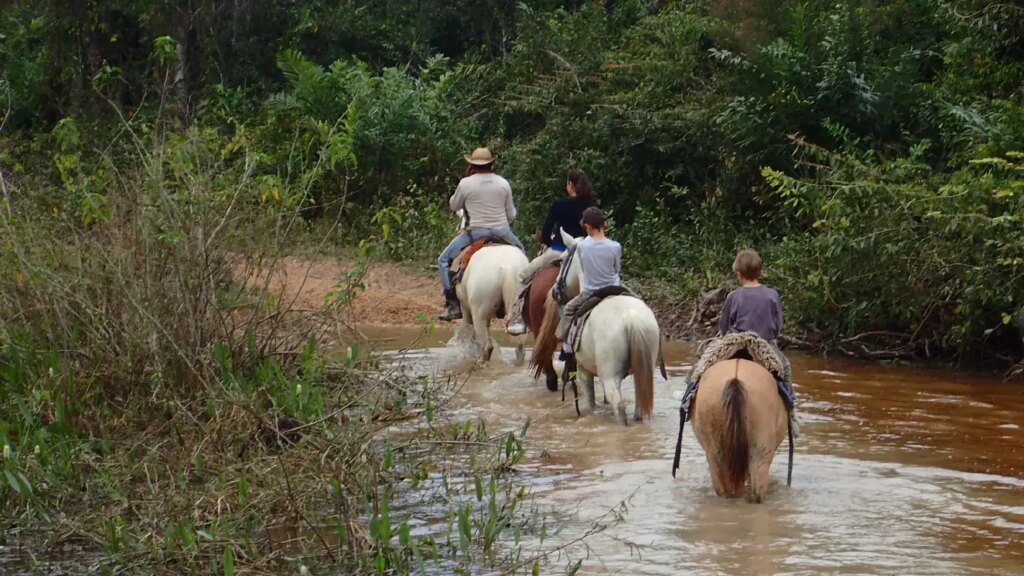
x,y
461,262
527,292
745,345
588,305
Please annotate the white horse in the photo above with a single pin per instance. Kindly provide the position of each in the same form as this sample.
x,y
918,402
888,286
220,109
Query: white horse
x,y
489,283
621,337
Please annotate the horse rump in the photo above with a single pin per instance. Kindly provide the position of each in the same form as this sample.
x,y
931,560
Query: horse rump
x,y
736,456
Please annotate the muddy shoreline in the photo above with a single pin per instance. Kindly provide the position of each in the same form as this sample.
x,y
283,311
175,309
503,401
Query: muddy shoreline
x,y
403,294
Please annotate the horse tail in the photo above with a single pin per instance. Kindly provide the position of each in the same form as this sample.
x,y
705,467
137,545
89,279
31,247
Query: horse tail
x,y
509,287
737,449
642,367
545,344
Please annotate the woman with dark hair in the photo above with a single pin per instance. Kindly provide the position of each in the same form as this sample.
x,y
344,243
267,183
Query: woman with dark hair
x,y
564,213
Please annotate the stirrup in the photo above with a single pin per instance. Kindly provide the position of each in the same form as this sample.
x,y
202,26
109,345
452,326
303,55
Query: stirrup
x,y
450,314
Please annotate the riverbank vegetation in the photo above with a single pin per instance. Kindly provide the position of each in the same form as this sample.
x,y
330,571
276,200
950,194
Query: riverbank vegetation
x,y
162,411
870,150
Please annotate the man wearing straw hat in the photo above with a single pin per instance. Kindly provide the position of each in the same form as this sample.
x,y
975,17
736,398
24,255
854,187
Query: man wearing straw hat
x,y
486,200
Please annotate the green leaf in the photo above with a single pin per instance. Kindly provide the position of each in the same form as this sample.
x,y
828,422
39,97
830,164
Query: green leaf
x,y
418,556
229,561
403,534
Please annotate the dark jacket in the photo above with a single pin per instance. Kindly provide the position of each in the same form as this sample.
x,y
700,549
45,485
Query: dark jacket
x,y
564,213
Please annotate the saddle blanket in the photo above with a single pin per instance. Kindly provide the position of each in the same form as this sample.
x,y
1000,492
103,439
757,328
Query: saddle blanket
x,y
743,345
583,312
460,262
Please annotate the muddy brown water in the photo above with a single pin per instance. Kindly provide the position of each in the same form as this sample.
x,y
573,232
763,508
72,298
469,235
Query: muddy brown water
x,y
897,471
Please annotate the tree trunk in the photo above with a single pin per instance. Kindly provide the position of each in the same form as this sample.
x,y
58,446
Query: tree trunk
x,y
182,69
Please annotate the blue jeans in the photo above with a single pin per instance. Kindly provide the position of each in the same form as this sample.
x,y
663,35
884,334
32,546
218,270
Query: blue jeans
x,y
444,262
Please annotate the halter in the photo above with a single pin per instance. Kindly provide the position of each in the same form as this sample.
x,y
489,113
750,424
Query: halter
x,y
560,290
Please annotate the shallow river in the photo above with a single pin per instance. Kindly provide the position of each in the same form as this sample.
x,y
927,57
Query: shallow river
x,y
897,471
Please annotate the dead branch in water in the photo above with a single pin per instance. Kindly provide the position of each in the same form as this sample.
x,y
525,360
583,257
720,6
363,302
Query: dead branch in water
x,y
1015,373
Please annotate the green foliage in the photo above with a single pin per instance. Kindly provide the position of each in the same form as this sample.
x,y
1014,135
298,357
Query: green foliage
x,y
705,126
954,237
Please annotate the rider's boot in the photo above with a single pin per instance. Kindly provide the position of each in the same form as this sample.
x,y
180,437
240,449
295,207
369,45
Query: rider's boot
x,y
517,328
570,365
452,309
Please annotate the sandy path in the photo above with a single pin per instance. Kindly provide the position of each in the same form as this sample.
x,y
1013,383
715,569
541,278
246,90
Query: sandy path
x,y
394,294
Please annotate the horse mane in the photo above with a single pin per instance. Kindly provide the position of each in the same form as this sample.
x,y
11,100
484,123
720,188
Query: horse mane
x,y
545,343
737,449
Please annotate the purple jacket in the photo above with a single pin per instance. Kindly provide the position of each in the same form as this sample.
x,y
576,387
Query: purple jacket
x,y
755,309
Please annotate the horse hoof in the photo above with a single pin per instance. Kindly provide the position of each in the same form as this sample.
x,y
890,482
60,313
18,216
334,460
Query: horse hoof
x,y
552,383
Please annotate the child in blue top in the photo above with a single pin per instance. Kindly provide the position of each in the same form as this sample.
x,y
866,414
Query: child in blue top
x,y
601,260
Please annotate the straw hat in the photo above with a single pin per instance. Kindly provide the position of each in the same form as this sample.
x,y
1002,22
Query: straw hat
x,y
480,157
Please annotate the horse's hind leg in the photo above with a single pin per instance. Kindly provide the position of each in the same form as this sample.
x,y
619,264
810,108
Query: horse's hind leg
x,y
614,396
481,324
759,478
551,377
717,477
588,386
520,351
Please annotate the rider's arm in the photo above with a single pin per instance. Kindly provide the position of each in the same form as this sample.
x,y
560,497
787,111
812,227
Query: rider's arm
x,y
549,227
778,315
510,208
458,200
723,320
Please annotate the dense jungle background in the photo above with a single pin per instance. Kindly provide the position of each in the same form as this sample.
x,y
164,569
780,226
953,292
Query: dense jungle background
x,y
872,151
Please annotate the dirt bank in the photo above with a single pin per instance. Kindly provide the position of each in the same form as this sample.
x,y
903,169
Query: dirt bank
x,y
394,294
402,294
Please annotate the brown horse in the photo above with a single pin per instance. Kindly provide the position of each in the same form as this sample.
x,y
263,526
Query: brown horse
x,y
533,315
740,420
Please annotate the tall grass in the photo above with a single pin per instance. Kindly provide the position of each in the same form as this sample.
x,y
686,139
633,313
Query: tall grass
x,y
165,410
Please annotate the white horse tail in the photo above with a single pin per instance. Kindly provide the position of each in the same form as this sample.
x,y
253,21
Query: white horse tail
x,y
641,364
509,285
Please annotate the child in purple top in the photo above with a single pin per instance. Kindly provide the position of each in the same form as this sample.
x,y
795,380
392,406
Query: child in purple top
x,y
752,307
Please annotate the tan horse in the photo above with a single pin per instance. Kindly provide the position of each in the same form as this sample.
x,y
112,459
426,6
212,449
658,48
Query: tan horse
x,y
740,420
